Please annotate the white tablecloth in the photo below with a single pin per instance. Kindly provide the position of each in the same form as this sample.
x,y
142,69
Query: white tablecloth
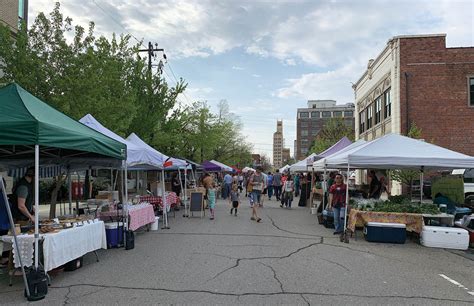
x,y
60,248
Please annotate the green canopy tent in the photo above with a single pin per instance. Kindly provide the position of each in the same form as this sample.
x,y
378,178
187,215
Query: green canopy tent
x,y
32,130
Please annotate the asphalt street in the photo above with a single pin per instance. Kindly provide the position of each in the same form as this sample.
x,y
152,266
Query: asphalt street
x,y
286,259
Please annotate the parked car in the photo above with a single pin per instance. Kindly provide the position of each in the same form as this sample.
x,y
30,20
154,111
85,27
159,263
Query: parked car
x,y
468,178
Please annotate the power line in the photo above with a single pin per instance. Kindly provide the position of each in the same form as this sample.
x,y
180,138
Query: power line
x,y
117,22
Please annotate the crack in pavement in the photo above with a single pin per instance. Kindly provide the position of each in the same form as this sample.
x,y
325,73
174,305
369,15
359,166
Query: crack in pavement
x,y
335,263
66,297
237,263
274,276
287,231
244,245
231,294
307,302
238,260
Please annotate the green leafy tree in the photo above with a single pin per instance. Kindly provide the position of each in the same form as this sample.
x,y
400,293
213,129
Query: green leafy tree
x,y
334,129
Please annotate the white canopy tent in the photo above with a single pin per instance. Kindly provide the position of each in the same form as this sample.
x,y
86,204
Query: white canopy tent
x,y
322,163
223,166
177,164
303,165
247,169
393,151
284,168
136,156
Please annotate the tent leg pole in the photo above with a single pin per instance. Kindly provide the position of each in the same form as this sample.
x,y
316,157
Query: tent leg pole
x,y
165,205
37,211
69,184
15,241
421,185
346,237
324,189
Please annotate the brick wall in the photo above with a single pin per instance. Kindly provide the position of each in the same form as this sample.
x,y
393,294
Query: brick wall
x,y
9,13
437,95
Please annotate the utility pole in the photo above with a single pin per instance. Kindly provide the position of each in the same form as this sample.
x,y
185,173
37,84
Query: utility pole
x,y
151,53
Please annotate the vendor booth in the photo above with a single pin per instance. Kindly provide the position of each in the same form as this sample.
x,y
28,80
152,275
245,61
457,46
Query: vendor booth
x,y
32,132
394,151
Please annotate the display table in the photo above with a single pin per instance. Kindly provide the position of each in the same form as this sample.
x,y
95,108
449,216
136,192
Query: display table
x,y
172,200
139,215
358,218
62,247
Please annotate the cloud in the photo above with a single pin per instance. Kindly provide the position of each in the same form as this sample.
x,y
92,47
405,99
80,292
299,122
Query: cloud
x,y
256,75
322,33
237,68
332,84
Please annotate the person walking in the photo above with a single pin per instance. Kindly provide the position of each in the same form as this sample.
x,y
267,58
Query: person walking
x,y
270,185
337,201
227,185
234,199
277,184
297,185
257,183
211,199
288,188
241,182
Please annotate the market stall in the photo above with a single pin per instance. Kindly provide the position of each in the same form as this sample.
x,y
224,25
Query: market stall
x,y
394,151
224,167
31,130
138,158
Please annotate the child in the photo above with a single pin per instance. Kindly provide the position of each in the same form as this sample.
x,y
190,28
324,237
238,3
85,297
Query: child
x,y
234,198
211,199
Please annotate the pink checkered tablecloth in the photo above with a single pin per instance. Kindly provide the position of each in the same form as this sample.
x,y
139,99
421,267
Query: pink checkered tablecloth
x,y
171,199
140,215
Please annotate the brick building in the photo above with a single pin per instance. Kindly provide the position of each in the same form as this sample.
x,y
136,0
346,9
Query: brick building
x,y
416,79
12,12
310,121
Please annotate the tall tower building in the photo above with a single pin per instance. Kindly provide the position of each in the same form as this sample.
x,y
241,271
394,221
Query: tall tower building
x,y
278,145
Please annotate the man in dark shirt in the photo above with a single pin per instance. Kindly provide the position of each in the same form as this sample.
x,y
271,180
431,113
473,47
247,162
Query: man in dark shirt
x,y
337,200
277,183
24,194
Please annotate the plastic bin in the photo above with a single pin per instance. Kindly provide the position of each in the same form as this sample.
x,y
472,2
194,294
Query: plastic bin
x,y
156,225
114,234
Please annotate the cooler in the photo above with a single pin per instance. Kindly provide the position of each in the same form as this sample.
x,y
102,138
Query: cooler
x,y
385,232
114,234
445,237
328,218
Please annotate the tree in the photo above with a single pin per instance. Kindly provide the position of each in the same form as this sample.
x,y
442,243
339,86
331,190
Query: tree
x,y
407,177
334,129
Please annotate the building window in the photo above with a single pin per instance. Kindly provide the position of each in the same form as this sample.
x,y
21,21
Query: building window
x,y
378,109
471,91
304,133
370,114
337,114
326,114
304,123
304,115
362,122
348,114
388,104
314,114
314,132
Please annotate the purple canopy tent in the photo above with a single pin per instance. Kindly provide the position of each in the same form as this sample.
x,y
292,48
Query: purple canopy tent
x,y
338,146
211,167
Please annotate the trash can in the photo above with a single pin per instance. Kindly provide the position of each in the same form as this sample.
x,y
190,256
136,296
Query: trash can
x,y
156,225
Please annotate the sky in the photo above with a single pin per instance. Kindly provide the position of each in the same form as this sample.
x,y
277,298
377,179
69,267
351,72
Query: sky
x,y
267,58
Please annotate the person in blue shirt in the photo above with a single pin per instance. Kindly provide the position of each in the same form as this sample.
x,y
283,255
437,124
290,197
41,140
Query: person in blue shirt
x,y
270,185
